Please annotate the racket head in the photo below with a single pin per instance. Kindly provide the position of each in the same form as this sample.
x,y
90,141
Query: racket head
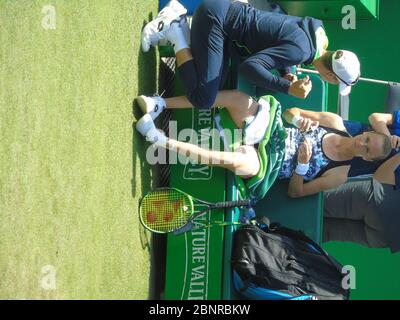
x,y
165,209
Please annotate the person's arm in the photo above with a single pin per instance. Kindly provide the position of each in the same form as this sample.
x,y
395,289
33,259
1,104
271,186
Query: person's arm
x,y
327,119
386,173
380,123
257,69
330,180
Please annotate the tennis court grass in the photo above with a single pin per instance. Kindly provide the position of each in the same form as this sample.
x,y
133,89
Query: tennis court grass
x,y
72,166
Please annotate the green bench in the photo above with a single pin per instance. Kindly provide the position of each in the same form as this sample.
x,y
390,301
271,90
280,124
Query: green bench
x,y
198,263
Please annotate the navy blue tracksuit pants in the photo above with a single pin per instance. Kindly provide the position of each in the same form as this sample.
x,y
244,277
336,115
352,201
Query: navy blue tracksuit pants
x,y
259,40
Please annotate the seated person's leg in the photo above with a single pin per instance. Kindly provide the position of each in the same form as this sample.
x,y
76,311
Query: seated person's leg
x,y
374,228
356,231
240,105
353,201
244,161
344,230
375,238
202,77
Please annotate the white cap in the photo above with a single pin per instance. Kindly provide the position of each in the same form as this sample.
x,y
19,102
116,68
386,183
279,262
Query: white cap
x,y
347,69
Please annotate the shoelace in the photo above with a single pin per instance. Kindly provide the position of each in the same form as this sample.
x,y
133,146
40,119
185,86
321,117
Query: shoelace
x,y
159,36
156,95
159,95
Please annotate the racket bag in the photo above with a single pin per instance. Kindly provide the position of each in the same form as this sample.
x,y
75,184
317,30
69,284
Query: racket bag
x,y
275,263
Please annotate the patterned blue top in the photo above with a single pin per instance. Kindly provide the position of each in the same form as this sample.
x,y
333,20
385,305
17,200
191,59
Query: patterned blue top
x,y
318,162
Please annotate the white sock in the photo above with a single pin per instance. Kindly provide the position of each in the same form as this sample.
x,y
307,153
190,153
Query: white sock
x,y
157,137
177,38
185,29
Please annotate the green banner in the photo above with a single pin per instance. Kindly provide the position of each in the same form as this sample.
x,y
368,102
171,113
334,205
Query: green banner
x,y
195,259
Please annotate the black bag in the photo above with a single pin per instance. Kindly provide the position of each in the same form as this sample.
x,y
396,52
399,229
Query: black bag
x,y
271,263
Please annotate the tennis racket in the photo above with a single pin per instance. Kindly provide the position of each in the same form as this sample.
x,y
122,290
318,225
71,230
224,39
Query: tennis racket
x,y
167,210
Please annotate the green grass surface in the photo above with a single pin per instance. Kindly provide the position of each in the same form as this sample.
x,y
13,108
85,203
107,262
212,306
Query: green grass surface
x,y
72,166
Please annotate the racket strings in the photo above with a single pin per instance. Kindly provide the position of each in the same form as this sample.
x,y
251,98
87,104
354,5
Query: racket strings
x,y
165,210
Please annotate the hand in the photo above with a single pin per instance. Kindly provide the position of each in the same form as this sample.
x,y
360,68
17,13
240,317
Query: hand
x,y
395,142
291,77
305,152
306,124
301,88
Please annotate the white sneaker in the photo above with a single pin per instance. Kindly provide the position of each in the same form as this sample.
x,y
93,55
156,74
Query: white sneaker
x,y
151,105
147,128
173,5
184,26
156,30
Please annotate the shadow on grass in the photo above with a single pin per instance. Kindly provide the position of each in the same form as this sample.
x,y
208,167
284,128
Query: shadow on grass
x,y
155,244
147,78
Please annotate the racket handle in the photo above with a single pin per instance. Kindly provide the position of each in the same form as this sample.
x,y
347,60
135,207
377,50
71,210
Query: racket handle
x,y
232,204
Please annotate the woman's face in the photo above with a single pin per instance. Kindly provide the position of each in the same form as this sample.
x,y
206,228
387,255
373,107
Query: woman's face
x,y
369,145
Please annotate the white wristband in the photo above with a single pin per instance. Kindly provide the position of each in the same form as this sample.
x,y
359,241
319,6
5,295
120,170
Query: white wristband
x,y
302,168
296,119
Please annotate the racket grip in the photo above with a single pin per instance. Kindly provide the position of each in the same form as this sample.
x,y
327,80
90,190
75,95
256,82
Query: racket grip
x,y
232,204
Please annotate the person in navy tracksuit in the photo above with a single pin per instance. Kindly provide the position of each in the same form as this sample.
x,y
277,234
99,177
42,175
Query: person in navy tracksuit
x,y
259,40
